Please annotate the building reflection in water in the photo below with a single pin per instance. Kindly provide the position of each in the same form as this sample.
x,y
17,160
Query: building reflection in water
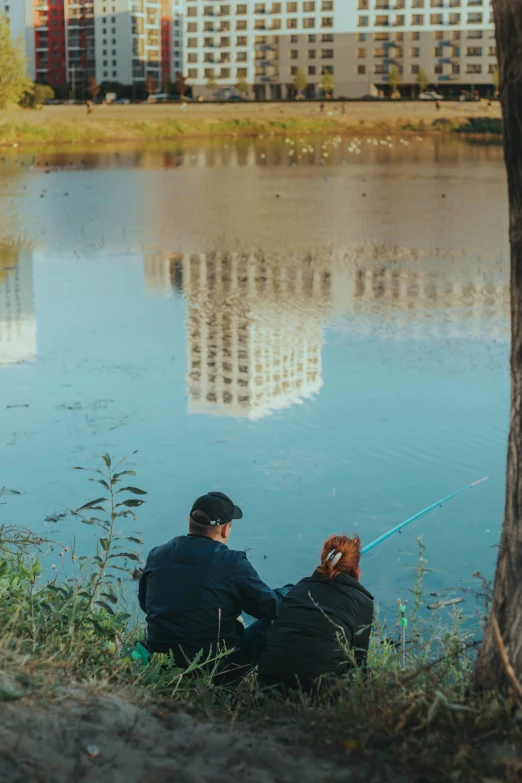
x,y
254,330
17,314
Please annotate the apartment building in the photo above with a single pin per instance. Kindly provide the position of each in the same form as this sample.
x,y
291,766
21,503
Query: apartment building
x,y
451,41
262,43
357,41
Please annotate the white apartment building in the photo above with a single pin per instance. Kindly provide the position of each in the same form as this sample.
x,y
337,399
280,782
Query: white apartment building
x,y
267,43
127,35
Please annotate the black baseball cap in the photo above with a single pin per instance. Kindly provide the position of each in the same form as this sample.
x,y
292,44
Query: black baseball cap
x,y
218,507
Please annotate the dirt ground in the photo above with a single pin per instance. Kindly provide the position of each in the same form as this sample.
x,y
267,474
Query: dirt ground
x,y
372,112
94,735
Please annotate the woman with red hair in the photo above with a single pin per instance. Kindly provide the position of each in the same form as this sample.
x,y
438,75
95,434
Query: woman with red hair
x,y
324,623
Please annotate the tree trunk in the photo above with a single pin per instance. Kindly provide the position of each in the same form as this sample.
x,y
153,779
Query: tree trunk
x,y
502,643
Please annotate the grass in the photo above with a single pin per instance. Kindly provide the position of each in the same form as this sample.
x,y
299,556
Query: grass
x,y
90,131
416,716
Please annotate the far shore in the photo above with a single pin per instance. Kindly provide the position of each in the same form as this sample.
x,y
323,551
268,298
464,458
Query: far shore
x,y
148,122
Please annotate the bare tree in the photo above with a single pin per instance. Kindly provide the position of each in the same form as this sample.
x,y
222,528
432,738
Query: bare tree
x,y
499,663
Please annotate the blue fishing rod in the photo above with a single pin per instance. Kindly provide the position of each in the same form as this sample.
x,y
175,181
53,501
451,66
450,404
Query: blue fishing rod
x,y
399,528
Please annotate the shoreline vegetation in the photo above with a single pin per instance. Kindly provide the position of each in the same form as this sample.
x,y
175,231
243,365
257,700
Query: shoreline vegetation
x,y
121,124
76,698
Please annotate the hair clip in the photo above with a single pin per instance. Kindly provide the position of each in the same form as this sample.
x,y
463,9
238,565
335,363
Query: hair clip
x,y
333,557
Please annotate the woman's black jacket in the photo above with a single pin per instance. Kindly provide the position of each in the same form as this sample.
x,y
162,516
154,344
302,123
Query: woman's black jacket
x,y
318,621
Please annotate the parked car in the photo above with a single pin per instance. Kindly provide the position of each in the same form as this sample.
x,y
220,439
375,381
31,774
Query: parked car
x,y
431,96
122,102
235,98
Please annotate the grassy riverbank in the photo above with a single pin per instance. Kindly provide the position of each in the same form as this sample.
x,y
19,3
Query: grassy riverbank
x,y
77,703
111,124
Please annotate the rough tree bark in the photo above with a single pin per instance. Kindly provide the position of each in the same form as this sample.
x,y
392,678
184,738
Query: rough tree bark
x,y
503,633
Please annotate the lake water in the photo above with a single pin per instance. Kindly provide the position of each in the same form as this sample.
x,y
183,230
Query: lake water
x,y
318,328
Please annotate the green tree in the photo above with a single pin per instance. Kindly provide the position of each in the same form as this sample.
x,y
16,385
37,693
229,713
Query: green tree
x,y
300,82
150,85
242,86
14,81
327,84
394,79
422,80
167,85
211,84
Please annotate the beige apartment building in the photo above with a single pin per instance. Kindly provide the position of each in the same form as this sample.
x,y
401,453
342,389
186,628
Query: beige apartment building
x,y
359,42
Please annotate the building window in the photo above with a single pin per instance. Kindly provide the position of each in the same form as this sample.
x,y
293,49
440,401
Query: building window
x,y
363,5
312,38
454,18
492,68
455,69
381,21
294,54
293,70
473,68
474,34
417,19
327,54
291,8
308,22
436,18
438,70
327,37
192,27
362,21
311,70
380,69
294,39
241,24
474,51
192,57
291,24
241,40
415,52
438,51
492,51
474,18
361,36
241,9
327,21
415,69
379,52
209,73
311,54
241,57
415,36
192,43
417,4
361,70
455,36
193,73
224,73
361,52
242,72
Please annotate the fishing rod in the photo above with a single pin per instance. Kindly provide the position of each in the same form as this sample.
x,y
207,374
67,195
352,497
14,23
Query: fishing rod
x,y
398,528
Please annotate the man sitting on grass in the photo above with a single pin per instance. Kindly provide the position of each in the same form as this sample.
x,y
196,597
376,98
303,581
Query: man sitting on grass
x,y
194,588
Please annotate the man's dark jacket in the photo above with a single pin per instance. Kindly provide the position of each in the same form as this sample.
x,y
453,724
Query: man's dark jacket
x,y
319,618
193,589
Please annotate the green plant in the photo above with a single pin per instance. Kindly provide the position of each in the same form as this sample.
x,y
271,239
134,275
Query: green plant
x,y
300,82
422,80
242,86
394,79
327,84
36,96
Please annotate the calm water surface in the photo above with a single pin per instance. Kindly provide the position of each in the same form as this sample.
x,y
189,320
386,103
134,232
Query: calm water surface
x,y
319,329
